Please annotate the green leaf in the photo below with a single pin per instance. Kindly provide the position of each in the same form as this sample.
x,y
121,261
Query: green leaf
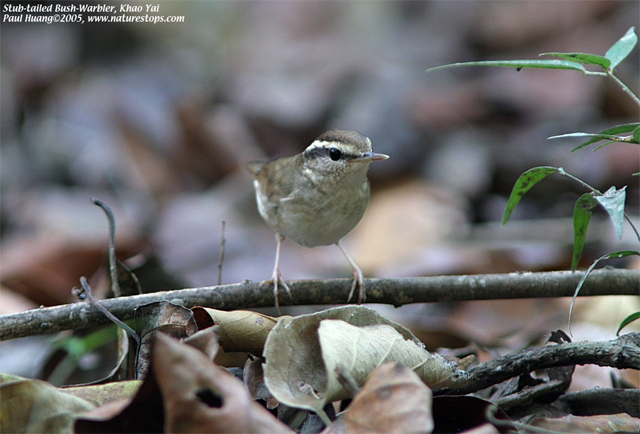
x,y
524,183
519,64
585,58
619,254
581,218
597,136
613,255
78,346
613,201
628,320
636,135
621,49
604,135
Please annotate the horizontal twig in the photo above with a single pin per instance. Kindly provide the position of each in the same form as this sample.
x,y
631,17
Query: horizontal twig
x,y
602,401
395,291
621,353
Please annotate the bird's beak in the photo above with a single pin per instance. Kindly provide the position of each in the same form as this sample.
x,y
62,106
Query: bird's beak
x,y
368,157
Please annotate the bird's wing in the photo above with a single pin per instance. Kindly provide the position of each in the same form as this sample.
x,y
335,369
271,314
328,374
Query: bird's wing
x,y
277,178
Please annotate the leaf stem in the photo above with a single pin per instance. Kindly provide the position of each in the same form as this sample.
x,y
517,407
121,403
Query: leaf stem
x,y
632,225
580,181
624,88
598,73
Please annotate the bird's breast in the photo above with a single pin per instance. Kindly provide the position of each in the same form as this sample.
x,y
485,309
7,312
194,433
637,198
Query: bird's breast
x,y
318,214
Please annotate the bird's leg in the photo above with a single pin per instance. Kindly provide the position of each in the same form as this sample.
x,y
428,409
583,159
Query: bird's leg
x,y
358,277
276,277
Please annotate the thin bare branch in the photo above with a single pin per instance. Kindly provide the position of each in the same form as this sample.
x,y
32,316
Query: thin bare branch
x,y
621,353
395,291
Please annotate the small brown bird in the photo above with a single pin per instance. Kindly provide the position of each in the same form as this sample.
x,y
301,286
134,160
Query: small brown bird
x,y
317,197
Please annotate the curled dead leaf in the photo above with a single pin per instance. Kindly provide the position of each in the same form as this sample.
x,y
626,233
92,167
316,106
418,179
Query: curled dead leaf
x,y
302,355
169,318
240,330
253,378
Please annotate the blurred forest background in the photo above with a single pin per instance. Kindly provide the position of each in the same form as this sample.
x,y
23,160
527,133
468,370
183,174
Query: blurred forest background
x,y
159,120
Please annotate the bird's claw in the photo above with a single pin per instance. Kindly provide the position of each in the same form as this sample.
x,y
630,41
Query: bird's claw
x,y
358,280
277,279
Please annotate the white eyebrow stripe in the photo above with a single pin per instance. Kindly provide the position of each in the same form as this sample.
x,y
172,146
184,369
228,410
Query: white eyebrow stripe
x,y
323,144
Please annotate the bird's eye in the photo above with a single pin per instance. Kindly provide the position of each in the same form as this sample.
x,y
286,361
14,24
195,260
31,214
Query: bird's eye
x,y
335,154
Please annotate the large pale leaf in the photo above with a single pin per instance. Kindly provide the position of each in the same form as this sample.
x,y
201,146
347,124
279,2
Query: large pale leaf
x,y
613,201
621,49
302,354
361,349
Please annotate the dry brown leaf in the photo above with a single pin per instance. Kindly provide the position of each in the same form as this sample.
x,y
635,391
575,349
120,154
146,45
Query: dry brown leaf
x,y
143,413
303,352
171,319
12,302
36,406
407,219
510,323
184,392
158,315
104,412
44,270
393,400
103,394
206,340
240,330
602,424
253,378
202,397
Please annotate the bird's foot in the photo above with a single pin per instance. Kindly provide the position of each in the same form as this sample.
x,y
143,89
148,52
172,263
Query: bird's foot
x,y
358,280
277,279
358,277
